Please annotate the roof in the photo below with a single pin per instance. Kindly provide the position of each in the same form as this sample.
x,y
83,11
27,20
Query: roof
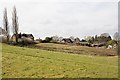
x,y
27,35
24,35
68,40
77,40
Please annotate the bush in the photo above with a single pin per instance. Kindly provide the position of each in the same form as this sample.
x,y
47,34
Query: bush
x,y
26,41
111,42
3,39
47,39
23,42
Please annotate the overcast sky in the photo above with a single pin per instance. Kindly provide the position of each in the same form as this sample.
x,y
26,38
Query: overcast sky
x,y
64,18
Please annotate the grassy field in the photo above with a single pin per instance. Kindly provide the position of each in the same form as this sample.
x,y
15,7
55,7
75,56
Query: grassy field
x,y
77,49
21,62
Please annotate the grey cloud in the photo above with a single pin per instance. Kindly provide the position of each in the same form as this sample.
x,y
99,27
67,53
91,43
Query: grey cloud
x,y
65,18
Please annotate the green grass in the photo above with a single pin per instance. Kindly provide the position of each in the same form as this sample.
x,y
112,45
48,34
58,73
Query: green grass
x,y
21,62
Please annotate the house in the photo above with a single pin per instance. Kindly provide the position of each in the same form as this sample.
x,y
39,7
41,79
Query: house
x,y
109,47
67,41
28,37
112,46
76,41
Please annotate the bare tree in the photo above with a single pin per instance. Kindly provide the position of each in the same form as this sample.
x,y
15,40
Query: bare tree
x,y
5,24
15,23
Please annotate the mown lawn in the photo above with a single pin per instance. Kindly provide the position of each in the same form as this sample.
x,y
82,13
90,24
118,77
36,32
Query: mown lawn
x,y
21,62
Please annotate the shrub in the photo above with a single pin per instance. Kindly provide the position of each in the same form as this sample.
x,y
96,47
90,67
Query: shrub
x,y
111,42
3,39
48,39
